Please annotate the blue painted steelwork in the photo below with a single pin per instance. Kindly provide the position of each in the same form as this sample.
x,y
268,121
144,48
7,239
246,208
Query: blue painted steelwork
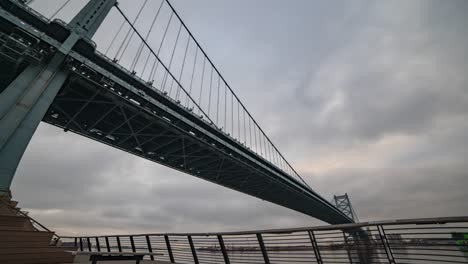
x,y
26,99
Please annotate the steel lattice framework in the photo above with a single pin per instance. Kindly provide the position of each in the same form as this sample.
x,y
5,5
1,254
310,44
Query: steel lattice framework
x,y
343,204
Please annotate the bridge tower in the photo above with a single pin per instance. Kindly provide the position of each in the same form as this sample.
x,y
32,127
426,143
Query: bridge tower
x,y
24,102
343,204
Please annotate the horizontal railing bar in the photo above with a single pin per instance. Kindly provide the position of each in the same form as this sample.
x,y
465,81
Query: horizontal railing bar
x,y
326,237
434,255
438,260
344,227
435,245
297,233
433,239
284,238
425,233
431,249
425,228
306,253
374,257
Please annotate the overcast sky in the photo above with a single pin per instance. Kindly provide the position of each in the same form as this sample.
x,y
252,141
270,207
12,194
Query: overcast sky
x,y
364,97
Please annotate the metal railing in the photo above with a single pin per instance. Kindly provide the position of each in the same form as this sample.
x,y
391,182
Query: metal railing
x,y
434,240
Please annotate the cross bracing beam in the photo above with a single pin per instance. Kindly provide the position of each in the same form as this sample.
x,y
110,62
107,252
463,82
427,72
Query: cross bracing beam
x,y
178,146
258,188
195,156
130,103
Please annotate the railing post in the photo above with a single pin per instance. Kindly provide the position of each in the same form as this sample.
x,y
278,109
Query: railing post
x,y
192,247
107,244
132,242
223,249
150,248
386,244
97,245
348,250
76,242
89,243
315,247
118,244
263,248
169,249
81,244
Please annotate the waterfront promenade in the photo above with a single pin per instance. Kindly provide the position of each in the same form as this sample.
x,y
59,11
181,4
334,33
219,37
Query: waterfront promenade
x,y
414,241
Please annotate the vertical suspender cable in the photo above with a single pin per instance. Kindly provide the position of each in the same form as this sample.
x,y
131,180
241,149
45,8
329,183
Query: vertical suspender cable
x,y
115,37
217,104
201,84
193,73
147,58
128,33
140,49
261,145
225,108
211,84
276,158
255,137
159,49
183,66
245,134
269,151
172,57
250,132
267,147
232,114
238,122
133,31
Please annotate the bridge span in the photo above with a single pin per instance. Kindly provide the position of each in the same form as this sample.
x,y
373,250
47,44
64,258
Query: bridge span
x,y
52,71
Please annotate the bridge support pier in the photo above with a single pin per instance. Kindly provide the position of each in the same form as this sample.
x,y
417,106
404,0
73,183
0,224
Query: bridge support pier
x,y
26,100
21,119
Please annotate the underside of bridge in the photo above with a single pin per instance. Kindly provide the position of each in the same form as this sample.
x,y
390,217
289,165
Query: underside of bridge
x,y
103,101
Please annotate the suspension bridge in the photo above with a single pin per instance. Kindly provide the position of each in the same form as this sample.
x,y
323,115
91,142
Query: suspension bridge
x,y
140,83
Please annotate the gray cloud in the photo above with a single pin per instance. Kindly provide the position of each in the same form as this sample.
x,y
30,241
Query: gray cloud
x,y
410,192
363,97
